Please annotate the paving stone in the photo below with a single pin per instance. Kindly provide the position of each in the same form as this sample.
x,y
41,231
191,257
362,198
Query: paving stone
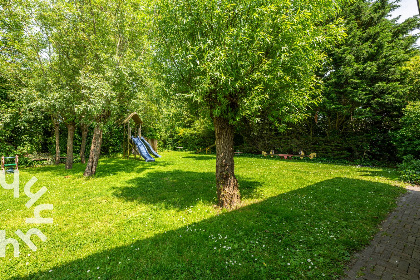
x,y
378,270
408,249
394,259
380,248
403,266
413,271
411,239
387,276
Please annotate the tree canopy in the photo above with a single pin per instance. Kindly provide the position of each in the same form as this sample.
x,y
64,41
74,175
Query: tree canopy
x,y
241,57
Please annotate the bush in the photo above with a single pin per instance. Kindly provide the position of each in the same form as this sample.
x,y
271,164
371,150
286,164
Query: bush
x,y
407,139
199,135
410,169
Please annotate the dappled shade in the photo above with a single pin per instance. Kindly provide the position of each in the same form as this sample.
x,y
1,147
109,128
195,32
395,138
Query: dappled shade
x,y
178,189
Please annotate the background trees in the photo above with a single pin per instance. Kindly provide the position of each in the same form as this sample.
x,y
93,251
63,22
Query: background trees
x,y
83,61
365,89
21,67
242,71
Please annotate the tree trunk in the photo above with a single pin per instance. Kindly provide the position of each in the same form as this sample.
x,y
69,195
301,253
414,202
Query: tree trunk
x,y
227,184
95,150
57,141
71,127
84,128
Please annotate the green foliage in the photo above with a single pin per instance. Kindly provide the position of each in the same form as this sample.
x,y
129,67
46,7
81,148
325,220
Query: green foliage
x,y
184,124
21,131
199,136
413,67
96,63
364,80
407,139
299,220
73,61
364,91
240,58
410,169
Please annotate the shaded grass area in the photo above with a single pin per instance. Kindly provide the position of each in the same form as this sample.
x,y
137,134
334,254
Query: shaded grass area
x,y
157,221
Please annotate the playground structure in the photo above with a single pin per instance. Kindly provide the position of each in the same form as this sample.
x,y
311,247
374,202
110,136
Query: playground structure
x,y
208,149
10,165
137,144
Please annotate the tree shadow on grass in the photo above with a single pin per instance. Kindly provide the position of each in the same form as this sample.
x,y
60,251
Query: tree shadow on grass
x,y
389,174
309,233
106,167
113,166
201,157
179,189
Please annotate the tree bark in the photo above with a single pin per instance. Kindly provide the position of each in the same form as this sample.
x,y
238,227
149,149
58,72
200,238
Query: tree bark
x,y
57,141
418,6
227,184
95,150
84,128
71,127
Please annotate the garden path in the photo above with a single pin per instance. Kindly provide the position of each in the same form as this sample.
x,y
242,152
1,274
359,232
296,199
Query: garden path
x,y
394,252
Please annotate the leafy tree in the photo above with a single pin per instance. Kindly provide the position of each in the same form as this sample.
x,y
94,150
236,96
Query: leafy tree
x,y
238,58
79,61
364,80
109,69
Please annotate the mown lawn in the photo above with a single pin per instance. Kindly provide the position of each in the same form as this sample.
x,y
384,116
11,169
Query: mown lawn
x,y
137,220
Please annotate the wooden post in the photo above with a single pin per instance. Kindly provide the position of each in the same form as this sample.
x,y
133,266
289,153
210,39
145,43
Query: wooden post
x,y
418,5
123,143
154,144
128,140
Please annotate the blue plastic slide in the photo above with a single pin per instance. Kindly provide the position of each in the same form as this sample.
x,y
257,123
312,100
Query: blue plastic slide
x,y
149,147
142,149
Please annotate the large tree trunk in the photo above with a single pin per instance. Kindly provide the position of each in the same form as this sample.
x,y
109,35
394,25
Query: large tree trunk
x,y
57,141
95,150
84,128
71,127
227,185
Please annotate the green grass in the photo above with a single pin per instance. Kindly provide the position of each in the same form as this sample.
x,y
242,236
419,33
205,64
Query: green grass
x,y
137,220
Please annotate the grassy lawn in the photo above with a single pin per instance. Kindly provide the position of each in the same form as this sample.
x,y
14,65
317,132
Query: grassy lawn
x,y
137,220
